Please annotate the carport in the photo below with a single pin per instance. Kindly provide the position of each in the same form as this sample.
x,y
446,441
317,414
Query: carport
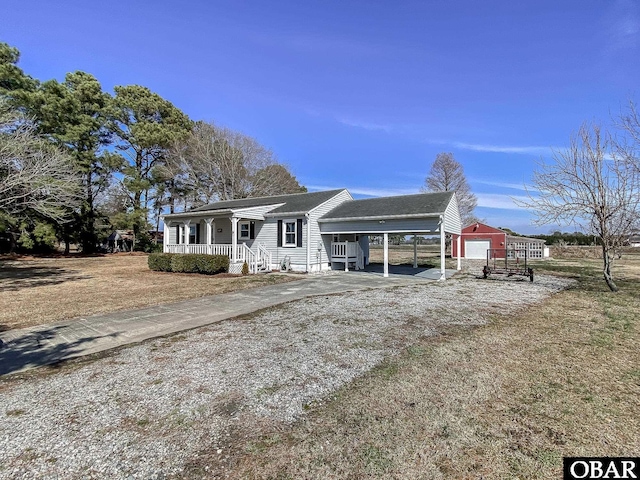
x,y
420,214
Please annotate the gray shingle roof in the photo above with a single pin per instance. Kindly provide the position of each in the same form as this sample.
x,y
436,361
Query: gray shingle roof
x,y
421,204
293,203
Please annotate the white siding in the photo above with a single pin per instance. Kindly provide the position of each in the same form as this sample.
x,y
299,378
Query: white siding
x,y
225,235
173,233
268,236
415,225
452,220
257,233
321,244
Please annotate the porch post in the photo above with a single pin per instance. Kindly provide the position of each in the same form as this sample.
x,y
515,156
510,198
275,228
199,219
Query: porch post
x,y
165,235
234,239
186,233
208,229
386,255
458,243
415,251
308,243
346,256
442,250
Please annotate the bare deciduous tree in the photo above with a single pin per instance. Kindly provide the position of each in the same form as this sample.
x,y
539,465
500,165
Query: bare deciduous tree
x,y
590,185
275,179
217,163
629,145
447,175
34,174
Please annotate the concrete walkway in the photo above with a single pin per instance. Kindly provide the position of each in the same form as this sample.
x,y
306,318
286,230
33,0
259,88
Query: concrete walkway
x,y
28,348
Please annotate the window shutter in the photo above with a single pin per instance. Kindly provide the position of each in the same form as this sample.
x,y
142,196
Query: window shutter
x,y
197,232
299,233
279,233
178,234
252,230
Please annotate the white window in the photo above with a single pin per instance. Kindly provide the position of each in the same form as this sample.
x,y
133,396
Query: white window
x,y
535,250
289,233
245,229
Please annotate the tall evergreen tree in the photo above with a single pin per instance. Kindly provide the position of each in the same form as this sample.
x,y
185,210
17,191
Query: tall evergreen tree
x,y
145,125
74,114
15,85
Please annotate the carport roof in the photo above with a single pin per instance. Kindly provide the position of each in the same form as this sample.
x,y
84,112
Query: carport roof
x,y
418,205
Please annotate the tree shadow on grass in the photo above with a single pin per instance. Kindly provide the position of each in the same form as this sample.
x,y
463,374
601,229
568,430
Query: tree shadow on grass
x,y
39,348
16,277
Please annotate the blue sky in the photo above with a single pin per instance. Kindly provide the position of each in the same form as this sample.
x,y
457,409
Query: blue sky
x,y
362,94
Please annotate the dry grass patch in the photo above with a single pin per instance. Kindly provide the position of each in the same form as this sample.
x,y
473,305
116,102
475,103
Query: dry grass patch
x,y
626,268
36,291
508,400
428,255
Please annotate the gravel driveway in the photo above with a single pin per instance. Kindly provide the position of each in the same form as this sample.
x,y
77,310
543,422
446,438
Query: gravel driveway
x,y
148,410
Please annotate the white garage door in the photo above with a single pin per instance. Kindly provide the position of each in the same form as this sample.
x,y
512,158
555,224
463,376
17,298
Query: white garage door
x,y
476,248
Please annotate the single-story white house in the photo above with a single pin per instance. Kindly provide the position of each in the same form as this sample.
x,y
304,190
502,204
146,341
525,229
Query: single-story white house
x,y
308,232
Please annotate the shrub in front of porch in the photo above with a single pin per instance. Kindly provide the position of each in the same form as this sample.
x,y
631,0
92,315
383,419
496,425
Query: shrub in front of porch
x,y
212,264
184,263
188,263
160,262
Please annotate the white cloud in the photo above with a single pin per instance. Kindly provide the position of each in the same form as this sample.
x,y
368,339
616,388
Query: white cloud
x,y
513,186
477,147
498,200
365,125
623,27
525,150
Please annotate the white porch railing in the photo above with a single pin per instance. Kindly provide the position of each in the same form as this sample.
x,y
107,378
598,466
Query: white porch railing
x,y
264,257
214,249
249,256
259,260
347,252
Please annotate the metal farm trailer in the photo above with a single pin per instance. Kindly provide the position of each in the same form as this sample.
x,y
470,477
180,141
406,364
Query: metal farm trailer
x,y
507,261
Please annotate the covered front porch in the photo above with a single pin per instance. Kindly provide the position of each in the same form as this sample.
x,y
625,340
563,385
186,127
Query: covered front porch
x,y
229,235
